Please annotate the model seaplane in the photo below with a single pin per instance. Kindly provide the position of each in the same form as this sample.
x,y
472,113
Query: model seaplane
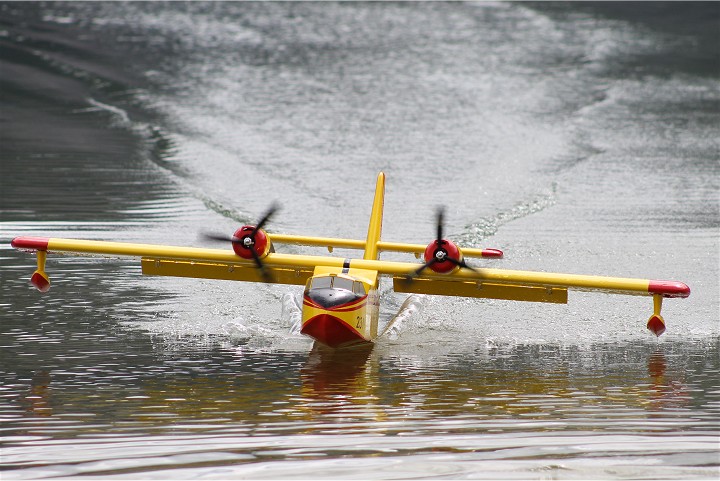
x,y
340,301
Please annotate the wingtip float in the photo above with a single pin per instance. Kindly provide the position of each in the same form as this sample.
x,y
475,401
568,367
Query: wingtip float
x,y
341,301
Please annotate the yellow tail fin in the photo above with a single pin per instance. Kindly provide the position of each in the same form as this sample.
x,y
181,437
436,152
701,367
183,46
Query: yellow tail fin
x,y
376,216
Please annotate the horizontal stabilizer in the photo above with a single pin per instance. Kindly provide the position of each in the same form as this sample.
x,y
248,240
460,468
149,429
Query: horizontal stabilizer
x,y
331,243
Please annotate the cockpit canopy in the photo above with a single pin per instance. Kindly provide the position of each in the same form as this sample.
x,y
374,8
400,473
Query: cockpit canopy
x,y
334,290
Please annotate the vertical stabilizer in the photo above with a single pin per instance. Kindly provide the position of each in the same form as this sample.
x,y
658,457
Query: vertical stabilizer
x,y
376,216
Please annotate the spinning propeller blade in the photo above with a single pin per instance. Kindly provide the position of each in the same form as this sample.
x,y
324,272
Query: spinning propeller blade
x,y
265,218
212,236
264,272
440,221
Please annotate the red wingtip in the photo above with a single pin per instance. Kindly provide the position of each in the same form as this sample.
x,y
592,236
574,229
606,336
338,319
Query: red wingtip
x,y
32,243
669,288
497,253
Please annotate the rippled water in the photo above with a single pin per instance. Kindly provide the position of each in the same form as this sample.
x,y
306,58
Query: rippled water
x,y
575,137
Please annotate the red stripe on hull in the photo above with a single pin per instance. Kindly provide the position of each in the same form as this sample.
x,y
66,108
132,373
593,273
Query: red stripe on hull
x,y
331,331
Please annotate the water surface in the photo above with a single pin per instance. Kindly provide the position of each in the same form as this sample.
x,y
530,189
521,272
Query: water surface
x,y
575,137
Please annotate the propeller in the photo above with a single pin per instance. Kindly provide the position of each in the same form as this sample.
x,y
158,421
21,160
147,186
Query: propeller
x,y
265,218
213,236
441,251
247,239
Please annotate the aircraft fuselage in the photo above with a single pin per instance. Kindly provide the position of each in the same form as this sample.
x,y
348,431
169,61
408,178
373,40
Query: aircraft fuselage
x,y
341,307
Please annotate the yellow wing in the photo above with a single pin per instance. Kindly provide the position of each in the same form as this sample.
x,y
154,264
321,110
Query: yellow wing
x,y
296,269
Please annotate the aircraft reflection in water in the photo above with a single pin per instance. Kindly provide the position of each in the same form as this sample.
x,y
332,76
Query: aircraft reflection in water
x,y
670,392
355,386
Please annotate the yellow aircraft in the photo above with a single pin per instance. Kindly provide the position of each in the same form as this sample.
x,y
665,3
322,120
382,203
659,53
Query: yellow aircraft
x,y
340,301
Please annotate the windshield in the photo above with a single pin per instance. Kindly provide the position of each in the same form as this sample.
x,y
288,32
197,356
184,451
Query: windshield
x,y
321,282
342,283
332,290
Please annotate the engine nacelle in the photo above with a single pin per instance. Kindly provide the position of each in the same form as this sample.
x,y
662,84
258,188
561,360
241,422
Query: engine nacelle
x,y
246,243
442,251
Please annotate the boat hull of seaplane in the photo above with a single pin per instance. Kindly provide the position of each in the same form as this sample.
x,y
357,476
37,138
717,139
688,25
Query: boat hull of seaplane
x,y
339,309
